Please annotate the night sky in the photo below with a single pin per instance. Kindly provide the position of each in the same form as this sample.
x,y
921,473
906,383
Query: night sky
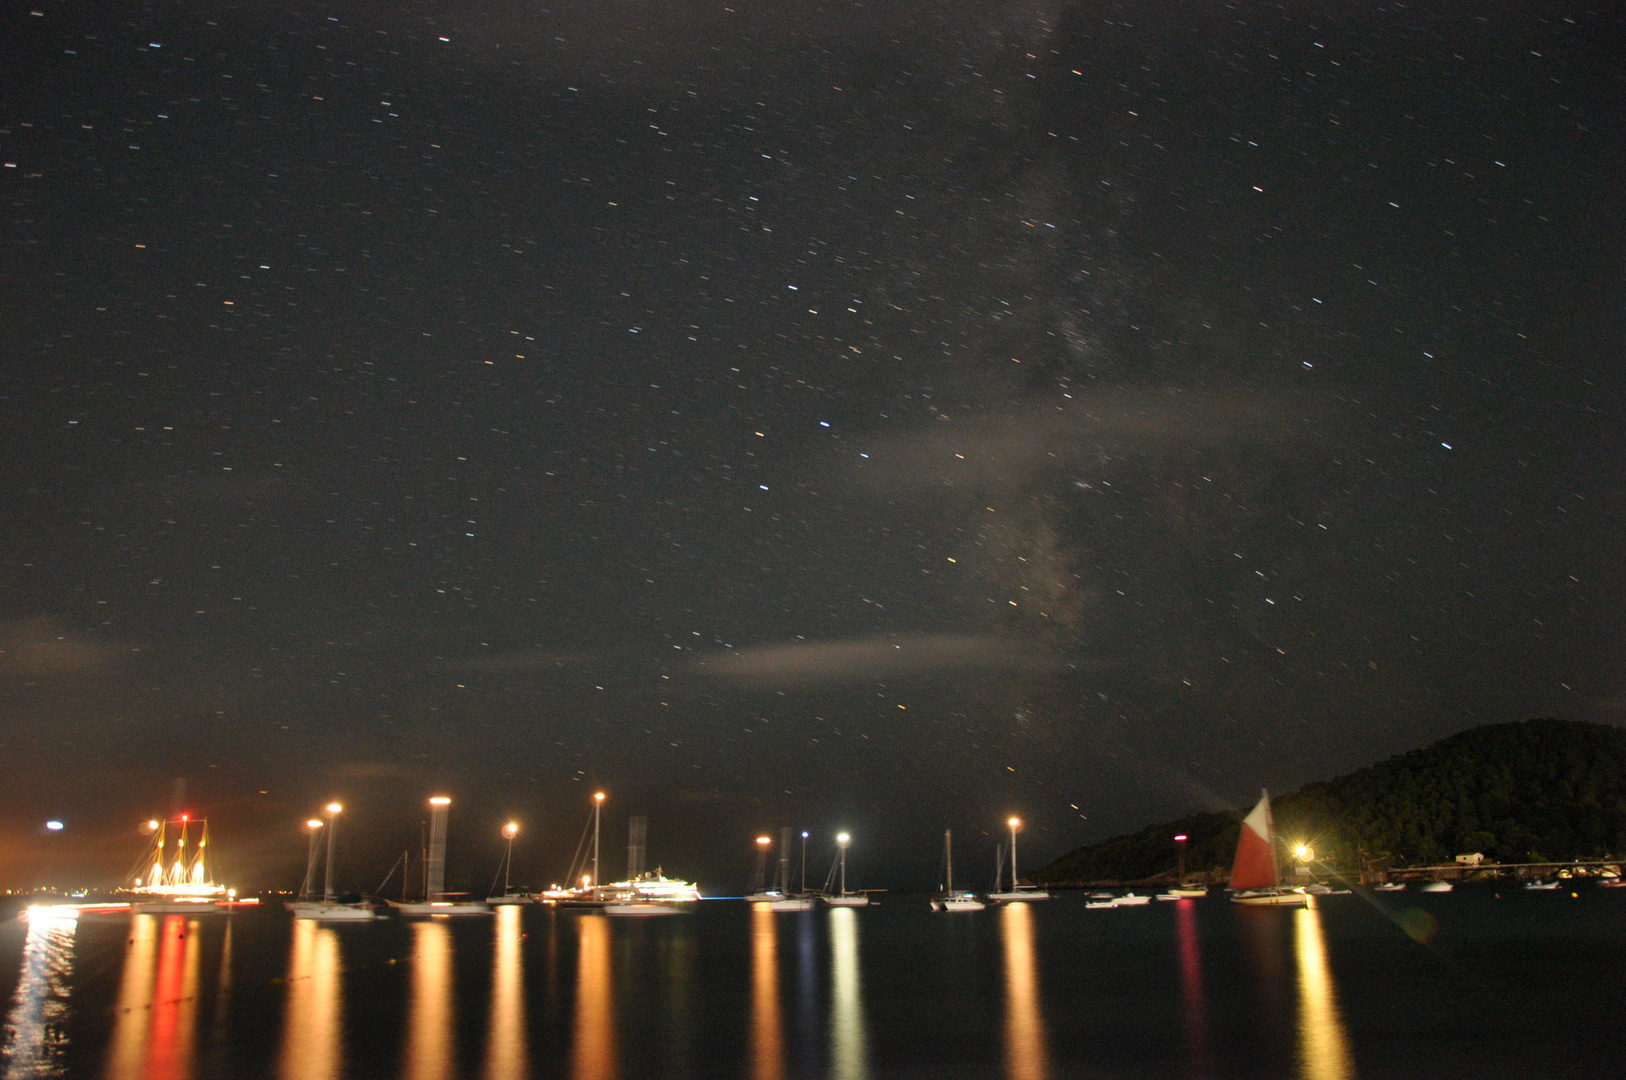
x,y
880,415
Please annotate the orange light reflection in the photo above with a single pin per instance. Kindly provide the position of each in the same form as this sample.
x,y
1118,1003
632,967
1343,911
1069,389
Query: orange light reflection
x,y
767,1031
430,1047
506,1054
593,1052
1027,1057
313,1024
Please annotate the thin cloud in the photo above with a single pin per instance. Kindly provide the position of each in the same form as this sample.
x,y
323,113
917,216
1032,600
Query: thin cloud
x,y
889,656
34,648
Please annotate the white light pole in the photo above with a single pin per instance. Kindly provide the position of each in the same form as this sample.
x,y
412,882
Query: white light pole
x,y
333,809
598,805
435,865
509,831
1014,823
314,826
842,840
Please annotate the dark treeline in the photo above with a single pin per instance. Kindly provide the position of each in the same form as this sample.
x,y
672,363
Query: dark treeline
x,y
1540,790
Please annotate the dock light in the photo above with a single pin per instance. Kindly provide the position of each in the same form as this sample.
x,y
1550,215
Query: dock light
x,y
54,826
334,808
440,800
149,827
1304,853
843,839
313,824
763,841
598,796
511,830
1015,823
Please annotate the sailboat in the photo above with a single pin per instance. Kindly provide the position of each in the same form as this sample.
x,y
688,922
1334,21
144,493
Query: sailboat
x,y
1255,878
436,900
787,900
1016,893
178,878
329,908
951,900
841,897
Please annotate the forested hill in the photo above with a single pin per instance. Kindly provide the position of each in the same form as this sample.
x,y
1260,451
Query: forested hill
x,y
1523,792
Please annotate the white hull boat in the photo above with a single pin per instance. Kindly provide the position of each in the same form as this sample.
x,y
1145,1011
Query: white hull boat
x,y
318,912
951,900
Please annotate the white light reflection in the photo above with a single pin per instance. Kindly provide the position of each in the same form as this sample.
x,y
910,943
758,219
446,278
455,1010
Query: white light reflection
x,y
849,1042
429,1046
1027,1057
767,1030
593,1053
506,1055
313,1024
33,1036
1323,1043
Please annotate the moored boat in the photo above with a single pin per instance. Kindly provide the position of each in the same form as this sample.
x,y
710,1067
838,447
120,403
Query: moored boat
x,y
949,900
1016,893
176,878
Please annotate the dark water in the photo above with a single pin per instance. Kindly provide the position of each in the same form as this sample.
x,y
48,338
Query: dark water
x,y
1465,984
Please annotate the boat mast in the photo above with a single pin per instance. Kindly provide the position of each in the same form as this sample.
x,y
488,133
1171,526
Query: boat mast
x,y
598,804
948,861
842,840
784,861
804,862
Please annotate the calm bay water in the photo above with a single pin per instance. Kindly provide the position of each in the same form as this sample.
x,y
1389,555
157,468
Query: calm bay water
x,y
1472,983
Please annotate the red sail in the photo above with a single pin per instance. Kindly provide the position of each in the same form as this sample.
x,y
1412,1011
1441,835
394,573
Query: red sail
x,y
1255,863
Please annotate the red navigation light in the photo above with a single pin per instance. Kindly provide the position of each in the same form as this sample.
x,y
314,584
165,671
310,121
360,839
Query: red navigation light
x,y
1180,839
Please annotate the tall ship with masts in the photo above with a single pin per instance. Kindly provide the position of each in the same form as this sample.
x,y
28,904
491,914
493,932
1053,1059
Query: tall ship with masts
x,y
176,873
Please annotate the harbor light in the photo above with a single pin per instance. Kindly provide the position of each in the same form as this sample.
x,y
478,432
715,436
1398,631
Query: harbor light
x,y
334,808
511,830
1015,823
763,841
1304,853
54,826
1180,839
843,838
313,824
439,800
598,796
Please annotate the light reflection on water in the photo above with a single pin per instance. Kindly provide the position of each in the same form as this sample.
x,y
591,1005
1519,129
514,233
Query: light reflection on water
x,y
1323,1050
767,1027
429,1045
839,993
313,1023
1027,1054
34,1035
506,1054
1194,1016
849,1041
155,1020
593,1055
